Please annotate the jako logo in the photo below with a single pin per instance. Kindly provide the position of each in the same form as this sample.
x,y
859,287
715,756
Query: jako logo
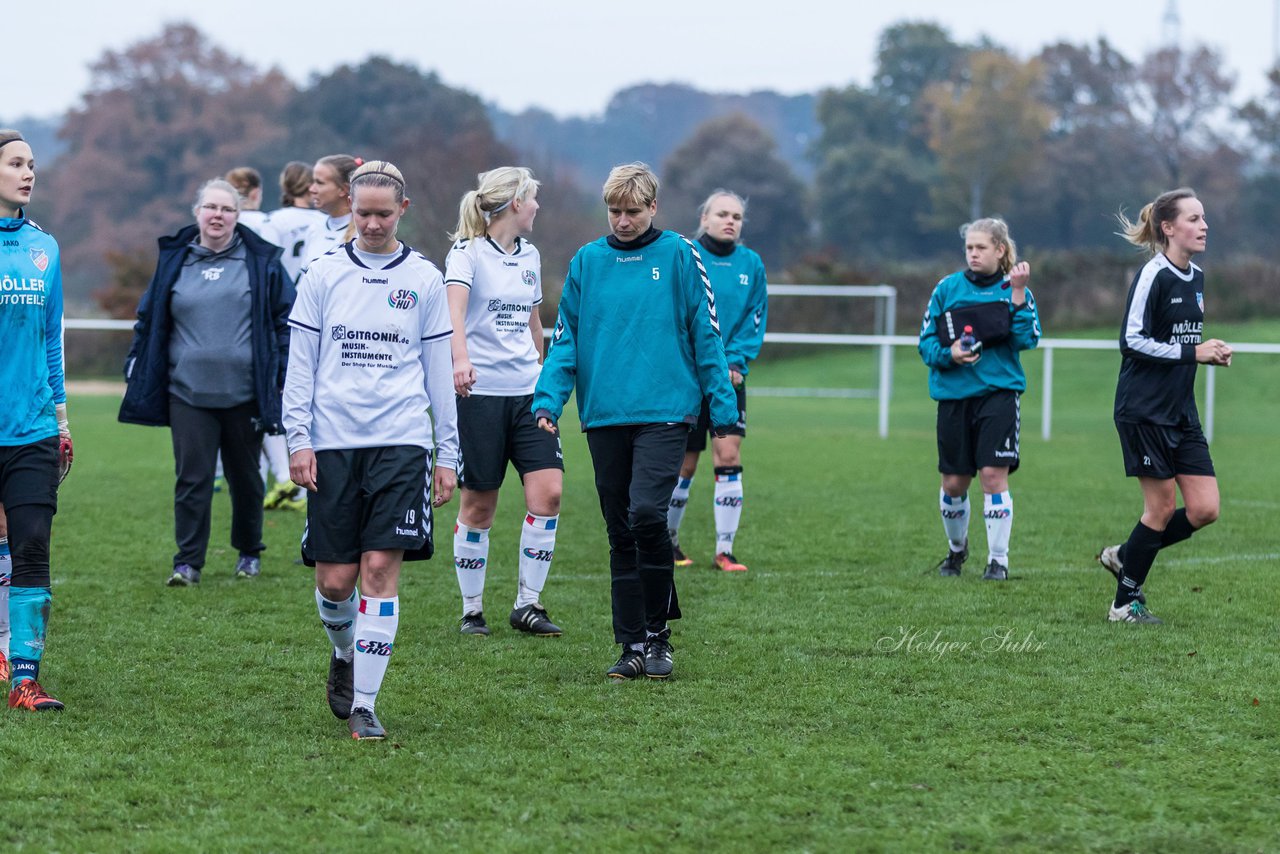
x,y
729,501
369,647
402,299
469,562
529,277
539,554
1000,513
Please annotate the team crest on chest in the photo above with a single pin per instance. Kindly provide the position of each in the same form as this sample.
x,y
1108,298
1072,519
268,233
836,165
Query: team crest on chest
x,y
529,278
403,299
40,258
1200,300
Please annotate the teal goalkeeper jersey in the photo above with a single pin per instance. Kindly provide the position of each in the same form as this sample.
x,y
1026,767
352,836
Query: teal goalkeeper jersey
x,y
638,337
31,380
742,302
1000,367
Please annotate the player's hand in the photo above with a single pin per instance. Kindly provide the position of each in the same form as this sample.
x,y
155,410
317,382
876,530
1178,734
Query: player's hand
x,y
548,425
1018,278
464,377
963,357
66,455
302,469
1213,352
443,482
735,378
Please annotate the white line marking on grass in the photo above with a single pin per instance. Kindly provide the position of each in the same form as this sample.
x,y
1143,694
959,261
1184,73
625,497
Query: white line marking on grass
x,y
1195,561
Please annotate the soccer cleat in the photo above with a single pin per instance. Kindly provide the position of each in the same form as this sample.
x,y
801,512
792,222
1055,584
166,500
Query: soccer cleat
x,y
630,665
282,492
340,689
474,624
681,559
996,571
1135,612
365,725
726,562
1109,557
4,667
533,620
657,657
295,504
950,565
248,566
184,575
29,696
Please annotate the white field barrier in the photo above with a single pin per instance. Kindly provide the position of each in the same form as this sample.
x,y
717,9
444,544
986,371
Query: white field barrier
x,y
886,303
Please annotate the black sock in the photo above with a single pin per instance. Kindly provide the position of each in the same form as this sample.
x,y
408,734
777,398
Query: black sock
x,y
1178,529
1140,552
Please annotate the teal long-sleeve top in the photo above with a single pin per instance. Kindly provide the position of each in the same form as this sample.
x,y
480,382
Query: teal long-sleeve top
x,y
31,372
1000,366
637,336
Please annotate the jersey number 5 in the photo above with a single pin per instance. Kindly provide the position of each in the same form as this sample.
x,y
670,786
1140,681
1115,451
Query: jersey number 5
x,y
657,274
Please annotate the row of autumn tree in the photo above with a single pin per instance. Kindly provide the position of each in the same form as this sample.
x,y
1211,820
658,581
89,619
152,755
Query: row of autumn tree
x,y
944,131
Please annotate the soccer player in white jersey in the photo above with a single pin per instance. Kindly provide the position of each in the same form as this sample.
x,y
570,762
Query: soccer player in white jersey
x,y
293,220
295,217
330,192
248,183
369,354
494,281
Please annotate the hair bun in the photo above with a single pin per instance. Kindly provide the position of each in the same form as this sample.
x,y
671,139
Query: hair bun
x,y
359,161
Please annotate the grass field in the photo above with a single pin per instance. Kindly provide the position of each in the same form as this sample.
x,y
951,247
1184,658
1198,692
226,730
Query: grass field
x,y
837,697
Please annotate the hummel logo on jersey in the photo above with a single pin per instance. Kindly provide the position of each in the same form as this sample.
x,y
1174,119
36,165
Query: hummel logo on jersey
x,y
628,259
529,277
369,281
211,274
371,647
403,299
511,263
40,258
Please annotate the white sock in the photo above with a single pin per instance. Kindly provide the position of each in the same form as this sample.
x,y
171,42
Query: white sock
x,y
338,619
998,509
275,453
537,548
675,509
6,569
375,632
470,558
728,509
955,519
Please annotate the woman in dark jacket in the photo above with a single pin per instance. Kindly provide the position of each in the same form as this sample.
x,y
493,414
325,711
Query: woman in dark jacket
x,y
208,360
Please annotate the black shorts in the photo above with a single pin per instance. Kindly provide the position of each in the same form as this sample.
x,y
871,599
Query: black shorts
x,y
698,436
979,432
369,499
494,431
29,474
1151,450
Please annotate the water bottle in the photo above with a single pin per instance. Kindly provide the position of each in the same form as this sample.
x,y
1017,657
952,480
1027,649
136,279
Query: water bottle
x,y
967,340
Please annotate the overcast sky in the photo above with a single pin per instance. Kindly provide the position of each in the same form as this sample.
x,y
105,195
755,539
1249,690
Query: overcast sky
x,y
569,56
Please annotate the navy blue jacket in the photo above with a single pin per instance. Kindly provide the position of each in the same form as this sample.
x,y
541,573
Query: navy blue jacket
x,y
146,401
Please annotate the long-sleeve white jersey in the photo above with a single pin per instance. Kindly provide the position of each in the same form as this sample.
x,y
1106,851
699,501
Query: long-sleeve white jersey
x,y
369,354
